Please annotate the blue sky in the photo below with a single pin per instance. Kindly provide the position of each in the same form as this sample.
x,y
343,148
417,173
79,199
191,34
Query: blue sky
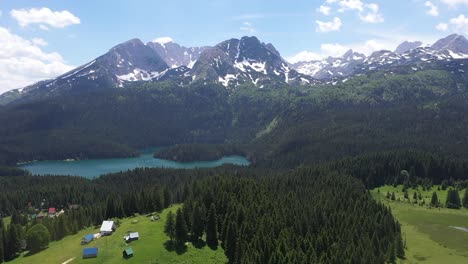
x,y
88,29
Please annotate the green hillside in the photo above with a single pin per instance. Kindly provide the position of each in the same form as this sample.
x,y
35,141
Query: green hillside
x,y
149,249
428,232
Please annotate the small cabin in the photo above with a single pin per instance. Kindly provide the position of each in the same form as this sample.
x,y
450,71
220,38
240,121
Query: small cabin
x,y
90,253
41,215
127,253
132,237
87,239
107,228
52,212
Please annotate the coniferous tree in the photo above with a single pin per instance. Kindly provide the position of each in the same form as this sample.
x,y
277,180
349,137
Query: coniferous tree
x,y
3,234
212,227
61,228
13,242
391,254
453,199
434,200
181,229
169,227
167,197
230,242
158,203
198,225
400,248
2,254
187,213
465,199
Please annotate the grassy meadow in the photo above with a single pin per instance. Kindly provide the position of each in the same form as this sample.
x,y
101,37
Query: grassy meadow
x,y
149,249
429,237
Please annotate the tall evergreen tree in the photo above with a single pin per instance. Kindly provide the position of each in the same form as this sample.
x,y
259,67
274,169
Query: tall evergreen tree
x,y
465,199
198,225
453,199
13,243
158,201
2,254
169,227
4,238
181,229
212,227
400,248
230,242
61,229
167,197
434,200
391,254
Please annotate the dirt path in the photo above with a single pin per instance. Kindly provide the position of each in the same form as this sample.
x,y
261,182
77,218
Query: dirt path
x,y
460,228
68,261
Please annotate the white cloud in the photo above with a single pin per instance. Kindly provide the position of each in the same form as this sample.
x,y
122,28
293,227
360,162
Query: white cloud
x,y
247,26
43,27
44,16
39,42
22,62
351,5
333,25
457,24
255,16
163,40
337,50
305,56
460,24
324,10
442,27
367,12
371,14
433,9
454,3
332,49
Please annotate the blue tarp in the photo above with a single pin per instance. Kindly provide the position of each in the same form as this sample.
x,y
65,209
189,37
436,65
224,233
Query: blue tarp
x,y
90,252
89,238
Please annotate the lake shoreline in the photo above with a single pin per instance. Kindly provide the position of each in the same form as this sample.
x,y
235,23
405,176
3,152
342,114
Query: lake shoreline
x,y
93,168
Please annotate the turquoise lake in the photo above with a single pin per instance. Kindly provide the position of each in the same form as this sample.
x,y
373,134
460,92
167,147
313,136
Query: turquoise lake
x,y
95,167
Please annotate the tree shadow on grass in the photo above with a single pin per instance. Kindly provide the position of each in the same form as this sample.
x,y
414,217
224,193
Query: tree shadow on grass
x,y
199,243
213,247
31,253
172,246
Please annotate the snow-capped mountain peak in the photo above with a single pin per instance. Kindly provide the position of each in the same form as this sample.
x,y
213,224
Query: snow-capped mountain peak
x,y
407,46
450,48
246,60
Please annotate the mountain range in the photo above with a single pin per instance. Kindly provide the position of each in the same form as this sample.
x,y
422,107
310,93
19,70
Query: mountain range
x,y
235,62
448,49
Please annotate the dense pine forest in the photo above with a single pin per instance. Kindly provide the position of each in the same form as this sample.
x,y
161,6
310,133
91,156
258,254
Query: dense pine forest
x,y
197,152
257,216
298,125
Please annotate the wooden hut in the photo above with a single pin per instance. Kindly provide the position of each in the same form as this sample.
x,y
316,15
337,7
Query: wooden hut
x,y
127,253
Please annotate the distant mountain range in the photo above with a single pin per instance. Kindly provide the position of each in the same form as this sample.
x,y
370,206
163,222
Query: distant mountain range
x,y
351,63
232,63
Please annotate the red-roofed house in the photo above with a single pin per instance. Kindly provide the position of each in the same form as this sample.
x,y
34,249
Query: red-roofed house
x,y
52,212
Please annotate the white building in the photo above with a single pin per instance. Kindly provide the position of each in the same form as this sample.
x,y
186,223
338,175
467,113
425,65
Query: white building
x,y
107,228
131,237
